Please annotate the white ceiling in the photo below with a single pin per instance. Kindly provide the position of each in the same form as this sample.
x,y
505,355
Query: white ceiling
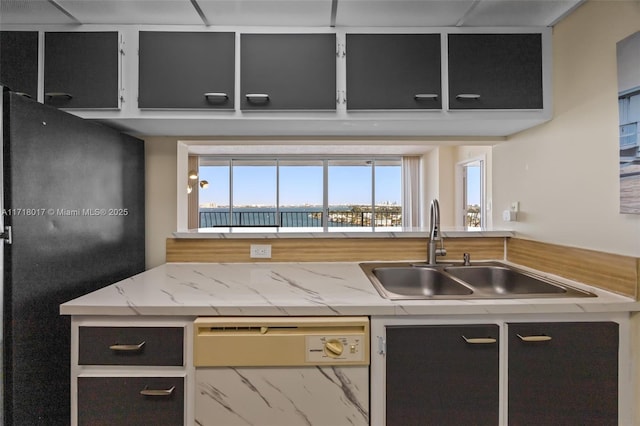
x,y
321,13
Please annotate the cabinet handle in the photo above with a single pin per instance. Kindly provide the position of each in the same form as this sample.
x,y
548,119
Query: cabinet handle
x,y
157,392
216,95
257,97
468,96
542,338
425,96
127,348
479,340
58,95
26,95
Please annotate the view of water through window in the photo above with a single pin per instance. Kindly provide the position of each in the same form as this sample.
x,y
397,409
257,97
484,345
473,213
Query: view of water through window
x,y
292,193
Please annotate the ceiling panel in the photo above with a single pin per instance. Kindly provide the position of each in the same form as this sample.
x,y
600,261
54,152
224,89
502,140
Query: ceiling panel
x,y
179,12
519,12
292,13
267,12
401,13
31,12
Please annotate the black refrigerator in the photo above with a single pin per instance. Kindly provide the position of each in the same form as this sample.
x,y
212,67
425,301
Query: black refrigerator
x,y
72,222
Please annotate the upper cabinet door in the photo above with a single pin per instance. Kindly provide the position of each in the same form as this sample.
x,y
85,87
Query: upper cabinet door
x,y
19,61
81,69
186,70
393,71
495,71
288,71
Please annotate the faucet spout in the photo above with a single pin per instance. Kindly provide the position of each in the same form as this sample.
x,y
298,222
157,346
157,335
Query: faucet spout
x,y
434,234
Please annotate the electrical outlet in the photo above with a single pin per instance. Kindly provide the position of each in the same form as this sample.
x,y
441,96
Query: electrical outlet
x,y
515,206
260,251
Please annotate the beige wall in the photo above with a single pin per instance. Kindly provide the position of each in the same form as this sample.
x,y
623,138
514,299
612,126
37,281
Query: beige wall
x,y
439,182
564,173
161,186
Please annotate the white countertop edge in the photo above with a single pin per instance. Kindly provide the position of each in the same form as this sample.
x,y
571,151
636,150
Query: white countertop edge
x,y
365,232
435,308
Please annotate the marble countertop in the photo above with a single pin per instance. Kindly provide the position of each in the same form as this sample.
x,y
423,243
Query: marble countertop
x,y
339,232
283,289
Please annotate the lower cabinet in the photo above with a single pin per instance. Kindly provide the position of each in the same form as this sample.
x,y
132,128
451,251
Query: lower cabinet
x,y
110,401
563,373
539,373
442,375
130,371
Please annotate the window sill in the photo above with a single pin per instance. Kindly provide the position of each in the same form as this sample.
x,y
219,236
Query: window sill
x,y
360,232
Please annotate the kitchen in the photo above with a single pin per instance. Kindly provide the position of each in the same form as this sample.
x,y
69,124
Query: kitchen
x,y
555,170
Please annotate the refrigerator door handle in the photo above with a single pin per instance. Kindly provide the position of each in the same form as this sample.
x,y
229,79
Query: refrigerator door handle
x,y
7,235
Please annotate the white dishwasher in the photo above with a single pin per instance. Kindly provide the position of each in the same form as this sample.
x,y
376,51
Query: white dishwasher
x,y
282,371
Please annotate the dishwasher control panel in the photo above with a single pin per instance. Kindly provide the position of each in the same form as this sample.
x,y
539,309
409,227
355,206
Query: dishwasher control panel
x,y
280,341
334,348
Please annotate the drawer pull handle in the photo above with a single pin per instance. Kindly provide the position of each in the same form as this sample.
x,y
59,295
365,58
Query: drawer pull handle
x,y
26,95
425,96
479,340
127,348
216,95
58,95
541,338
257,97
157,392
468,96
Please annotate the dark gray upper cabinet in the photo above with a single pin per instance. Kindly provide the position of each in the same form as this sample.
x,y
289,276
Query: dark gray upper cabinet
x,y
19,61
288,71
495,71
186,70
393,71
81,69
571,378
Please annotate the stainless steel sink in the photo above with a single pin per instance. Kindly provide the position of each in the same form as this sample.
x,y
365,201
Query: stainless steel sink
x,y
419,282
502,280
450,281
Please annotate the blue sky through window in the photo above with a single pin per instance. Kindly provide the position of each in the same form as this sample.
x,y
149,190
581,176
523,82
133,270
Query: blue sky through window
x,y
473,185
300,185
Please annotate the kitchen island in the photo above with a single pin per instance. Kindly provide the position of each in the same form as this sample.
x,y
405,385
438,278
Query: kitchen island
x,y
167,299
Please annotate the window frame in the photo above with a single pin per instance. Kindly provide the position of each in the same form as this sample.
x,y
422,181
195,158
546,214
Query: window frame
x,y
324,159
461,195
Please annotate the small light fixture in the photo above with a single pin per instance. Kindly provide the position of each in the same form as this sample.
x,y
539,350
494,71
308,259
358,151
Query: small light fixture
x,y
193,175
204,184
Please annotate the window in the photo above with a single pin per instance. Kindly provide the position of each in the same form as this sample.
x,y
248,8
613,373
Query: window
x,y
254,196
472,190
300,192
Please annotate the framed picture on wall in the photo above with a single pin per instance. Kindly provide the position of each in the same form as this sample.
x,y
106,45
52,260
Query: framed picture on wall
x,y
628,52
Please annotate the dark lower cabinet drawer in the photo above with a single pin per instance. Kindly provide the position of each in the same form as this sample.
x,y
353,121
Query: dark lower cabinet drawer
x,y
112,401
131,346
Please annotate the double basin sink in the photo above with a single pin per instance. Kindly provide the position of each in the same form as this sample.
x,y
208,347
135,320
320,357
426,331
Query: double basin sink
x,y
480,280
